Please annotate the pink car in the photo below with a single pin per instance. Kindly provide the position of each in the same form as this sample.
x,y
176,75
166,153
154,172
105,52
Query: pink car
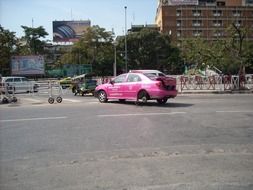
x,y
138,85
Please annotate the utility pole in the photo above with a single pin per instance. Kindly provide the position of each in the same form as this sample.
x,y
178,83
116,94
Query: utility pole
x,y
126,39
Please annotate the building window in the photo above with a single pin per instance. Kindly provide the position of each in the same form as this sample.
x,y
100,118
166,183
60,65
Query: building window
x,y
217,13
196,13
178,33
217,34
217,23
221,3
249,2
196,23
178,23
179,12
237,13
238,23
196,33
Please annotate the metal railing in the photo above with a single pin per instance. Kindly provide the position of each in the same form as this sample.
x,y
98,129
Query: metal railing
x,y
215,83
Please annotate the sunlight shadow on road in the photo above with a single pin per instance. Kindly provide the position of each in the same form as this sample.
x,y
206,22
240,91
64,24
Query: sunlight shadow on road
x,y
154,104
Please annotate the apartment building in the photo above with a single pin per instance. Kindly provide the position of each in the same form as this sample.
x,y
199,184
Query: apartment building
x,y
208,19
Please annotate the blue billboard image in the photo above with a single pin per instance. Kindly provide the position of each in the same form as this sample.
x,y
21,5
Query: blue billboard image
x,y
27,65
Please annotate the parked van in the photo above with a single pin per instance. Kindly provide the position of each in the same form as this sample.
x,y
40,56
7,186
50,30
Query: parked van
x,y
19,84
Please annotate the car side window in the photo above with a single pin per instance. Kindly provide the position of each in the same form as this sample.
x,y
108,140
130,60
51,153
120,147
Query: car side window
x,y
24,79
120,79
9,80
17,79
133,78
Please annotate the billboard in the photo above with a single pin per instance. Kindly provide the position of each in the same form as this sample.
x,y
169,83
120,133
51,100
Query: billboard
x,y
69,31
27,65
180,2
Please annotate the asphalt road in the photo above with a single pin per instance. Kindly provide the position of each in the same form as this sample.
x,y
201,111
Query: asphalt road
x,y
194,142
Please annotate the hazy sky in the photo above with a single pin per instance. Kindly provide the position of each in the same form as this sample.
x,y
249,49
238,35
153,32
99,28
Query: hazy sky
x,y
105,13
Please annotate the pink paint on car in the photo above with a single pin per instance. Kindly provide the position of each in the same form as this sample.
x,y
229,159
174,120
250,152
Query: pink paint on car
x,y
138,85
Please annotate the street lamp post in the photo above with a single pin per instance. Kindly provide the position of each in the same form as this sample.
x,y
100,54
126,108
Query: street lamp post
x,y
115,59
126,38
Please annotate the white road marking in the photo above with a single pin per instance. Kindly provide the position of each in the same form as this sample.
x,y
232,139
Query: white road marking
x,y
71,100
31,100
239,111
33,119
141,114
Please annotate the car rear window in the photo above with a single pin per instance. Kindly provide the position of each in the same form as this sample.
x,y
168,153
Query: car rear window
x,y
152,76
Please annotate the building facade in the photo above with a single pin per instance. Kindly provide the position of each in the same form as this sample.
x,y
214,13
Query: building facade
x,y
208,19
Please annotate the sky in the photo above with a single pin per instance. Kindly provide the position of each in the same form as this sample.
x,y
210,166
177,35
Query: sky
x,y
108,14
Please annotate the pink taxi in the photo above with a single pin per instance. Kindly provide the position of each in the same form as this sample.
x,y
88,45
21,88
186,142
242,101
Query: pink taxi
x,y
138,85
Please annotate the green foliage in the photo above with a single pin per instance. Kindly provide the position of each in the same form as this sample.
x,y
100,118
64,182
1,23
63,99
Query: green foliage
x,y
8,43
149,49
95,48
34,44
231,55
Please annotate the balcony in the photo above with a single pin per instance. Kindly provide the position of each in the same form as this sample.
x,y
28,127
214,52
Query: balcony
x,y
217,24
236,14
196,24
216,14
196,14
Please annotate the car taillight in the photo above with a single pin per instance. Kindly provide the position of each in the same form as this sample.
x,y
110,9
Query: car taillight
x,y
159,84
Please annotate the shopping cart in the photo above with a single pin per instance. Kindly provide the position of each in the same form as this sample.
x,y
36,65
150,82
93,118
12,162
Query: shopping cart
x,y
52,89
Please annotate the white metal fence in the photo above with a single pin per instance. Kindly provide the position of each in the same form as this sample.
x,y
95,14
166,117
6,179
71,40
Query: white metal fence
x,y
215,83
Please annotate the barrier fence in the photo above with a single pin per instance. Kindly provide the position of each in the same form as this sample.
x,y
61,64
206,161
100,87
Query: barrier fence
x,y
215,83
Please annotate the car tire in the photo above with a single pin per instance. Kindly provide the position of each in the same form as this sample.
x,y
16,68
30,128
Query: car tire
x,y
142,97
162,101
102,96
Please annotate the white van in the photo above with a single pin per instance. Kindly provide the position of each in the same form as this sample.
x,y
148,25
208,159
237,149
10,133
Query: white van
x,y
19,84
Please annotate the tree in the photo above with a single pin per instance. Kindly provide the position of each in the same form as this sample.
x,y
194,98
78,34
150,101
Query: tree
x,y
231,55
96,48
8,43
32,37
150,49
238,49
200,54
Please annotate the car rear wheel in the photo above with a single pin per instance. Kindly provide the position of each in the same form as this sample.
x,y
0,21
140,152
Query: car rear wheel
x,y
102,97
142,97
162,101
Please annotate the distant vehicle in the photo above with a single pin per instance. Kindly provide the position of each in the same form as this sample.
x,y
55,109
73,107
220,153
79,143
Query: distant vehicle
x,y
66,82
83,84
19,84
138,85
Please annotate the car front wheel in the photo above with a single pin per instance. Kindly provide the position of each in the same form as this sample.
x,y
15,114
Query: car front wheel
x,y
102,97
